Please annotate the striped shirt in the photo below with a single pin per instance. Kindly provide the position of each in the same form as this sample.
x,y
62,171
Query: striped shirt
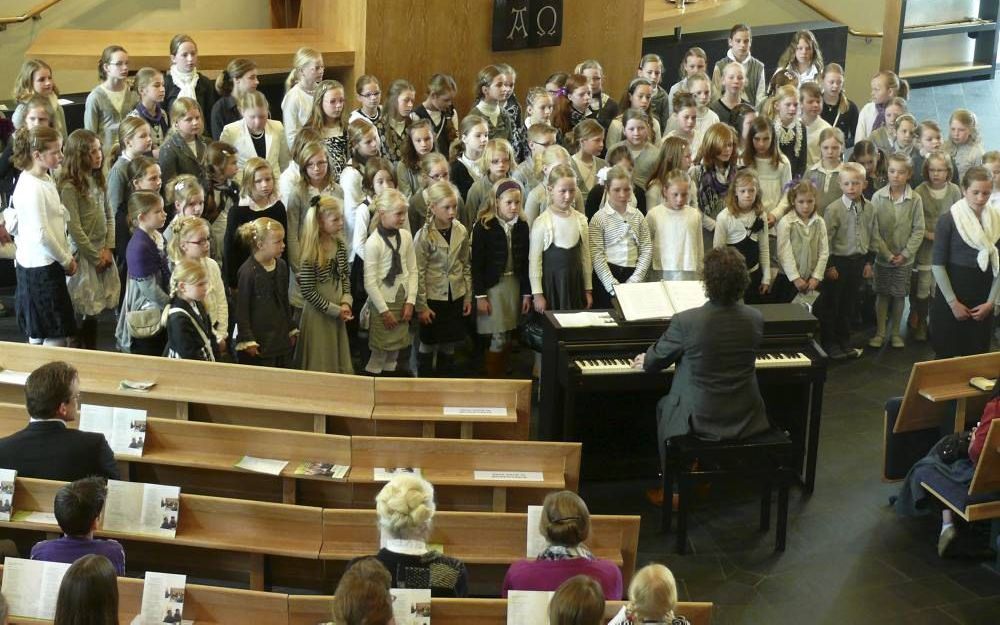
x,y
311,276
621,240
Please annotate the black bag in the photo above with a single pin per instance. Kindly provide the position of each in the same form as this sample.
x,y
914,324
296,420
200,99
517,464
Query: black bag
x,y
954,447
532,331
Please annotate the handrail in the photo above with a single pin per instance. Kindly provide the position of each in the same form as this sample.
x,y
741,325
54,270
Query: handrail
x,y
32,14
867,34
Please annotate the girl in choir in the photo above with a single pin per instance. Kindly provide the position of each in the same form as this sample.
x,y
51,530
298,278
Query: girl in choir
x,y
803,247
390,281
325,281
713,173
810,105
963,142
183,150
144,174
39,113
35,78
838,111
636,96
882,137
684,121
675,231
937,195
419,141
190,242
695,61
369,95
496,163
329,118
493,87
444,281
189,324
256,135
222,194
439,108
896,236
111,100
185,198
499,264
618,156
825,175
134,140
743,225
651,68
603,107
637,125
149,85
675,153
731,103
363,141
290,177
559,254
297,105
906,130
928,140
792,138
95,287
183,79
377,178
538,198
886,85
433,168
43,257
399,105
803,57
259,200
760,153
575,107
701,89
555,85
239,77
871,158
588,137
539,106
620,244
148,277
265,334
466,151
518,135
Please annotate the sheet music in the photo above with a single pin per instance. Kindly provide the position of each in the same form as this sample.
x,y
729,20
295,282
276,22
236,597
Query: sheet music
x,y
686,294
32,586
7,493
584,319
644,300
528,607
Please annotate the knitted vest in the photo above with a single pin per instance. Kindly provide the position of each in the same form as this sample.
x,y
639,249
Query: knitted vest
x,y
754,71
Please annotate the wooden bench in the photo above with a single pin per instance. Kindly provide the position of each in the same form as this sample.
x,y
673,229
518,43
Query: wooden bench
x,y
487,542
981,501
219,538
934,384
309,610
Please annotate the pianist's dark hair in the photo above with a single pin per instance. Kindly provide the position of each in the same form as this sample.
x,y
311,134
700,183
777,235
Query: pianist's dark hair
x,y
726,277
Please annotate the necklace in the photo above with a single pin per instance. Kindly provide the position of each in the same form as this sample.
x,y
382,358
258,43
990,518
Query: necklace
x,y
791,135
257,135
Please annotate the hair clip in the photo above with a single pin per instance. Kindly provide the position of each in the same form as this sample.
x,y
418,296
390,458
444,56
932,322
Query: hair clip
x,y
602,175
179,186
314,201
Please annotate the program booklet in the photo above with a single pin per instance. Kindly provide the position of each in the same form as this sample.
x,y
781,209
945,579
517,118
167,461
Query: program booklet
x,y
536,542
162,599
124,428
411,606
528,607
31,587
7,493
323,469
142,508
658,300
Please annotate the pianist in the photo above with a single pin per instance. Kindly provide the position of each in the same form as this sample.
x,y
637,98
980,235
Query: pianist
x,y
714,393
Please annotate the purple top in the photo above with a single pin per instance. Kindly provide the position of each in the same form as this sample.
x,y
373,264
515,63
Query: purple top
x,y
69,549
145,259
549,574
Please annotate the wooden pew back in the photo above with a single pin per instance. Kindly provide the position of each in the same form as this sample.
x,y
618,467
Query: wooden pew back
x,y
986,479
933,383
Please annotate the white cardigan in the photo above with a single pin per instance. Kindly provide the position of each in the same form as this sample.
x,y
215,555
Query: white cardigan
x,y
276,151
378,259
38,221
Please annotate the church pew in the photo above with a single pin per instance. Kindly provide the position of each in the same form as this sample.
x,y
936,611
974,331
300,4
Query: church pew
x,y
487,542
935,384
309,610
249,541
981,501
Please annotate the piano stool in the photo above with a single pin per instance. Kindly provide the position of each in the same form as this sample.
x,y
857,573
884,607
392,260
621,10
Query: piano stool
x,y
767,458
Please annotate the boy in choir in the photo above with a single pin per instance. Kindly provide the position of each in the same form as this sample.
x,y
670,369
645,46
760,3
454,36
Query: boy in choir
x,y
78,507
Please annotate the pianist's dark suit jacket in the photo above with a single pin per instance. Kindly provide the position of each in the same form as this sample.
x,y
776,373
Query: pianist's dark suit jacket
x,y
714,392
52,451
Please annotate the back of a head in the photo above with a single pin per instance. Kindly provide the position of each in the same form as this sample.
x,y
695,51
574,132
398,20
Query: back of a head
x,y
78,504
405,507
565,519
88,594
362,596
47,387
578,601
726,277
3,610
652,593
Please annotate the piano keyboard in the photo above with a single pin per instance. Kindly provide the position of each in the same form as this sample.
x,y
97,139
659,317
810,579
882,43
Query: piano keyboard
x,y
601,366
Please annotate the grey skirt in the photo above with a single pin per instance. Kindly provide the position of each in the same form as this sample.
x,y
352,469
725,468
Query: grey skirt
x,y
505,301
893,281
385,339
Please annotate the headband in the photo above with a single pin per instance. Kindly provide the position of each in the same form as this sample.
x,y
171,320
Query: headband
x,y
506,186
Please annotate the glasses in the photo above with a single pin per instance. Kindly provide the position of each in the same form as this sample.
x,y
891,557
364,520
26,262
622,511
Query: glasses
x,y
438,177
371,94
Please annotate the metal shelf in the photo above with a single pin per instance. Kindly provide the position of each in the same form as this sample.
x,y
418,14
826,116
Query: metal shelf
x,y
950,28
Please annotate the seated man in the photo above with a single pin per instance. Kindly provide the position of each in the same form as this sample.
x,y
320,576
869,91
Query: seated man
x,y
77,507
48,449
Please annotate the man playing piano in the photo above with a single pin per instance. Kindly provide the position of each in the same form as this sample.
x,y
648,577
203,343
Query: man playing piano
x,y
714,393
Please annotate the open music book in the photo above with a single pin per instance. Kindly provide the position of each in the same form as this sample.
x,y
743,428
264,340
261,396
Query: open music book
x,y
32,586
142,508
123,428
7,493
658,300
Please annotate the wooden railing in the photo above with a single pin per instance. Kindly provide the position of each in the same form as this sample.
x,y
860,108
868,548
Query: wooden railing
x,y
33,13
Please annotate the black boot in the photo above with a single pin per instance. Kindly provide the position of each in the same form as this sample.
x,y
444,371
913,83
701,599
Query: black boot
x,y
425,365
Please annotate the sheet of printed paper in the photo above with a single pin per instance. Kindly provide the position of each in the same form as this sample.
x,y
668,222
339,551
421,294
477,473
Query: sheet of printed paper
x,y
31,587
536,543
7,493
411,606
124,428
142,508
528,607
509,476
643,300
162,598
584,319
262,465
35,516
17,378
383,474
323,469
475,411
685,294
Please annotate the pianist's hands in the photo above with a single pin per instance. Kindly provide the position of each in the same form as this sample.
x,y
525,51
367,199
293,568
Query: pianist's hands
x,y
639,361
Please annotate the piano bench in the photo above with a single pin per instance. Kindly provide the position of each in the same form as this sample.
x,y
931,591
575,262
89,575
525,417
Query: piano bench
x,y
767,458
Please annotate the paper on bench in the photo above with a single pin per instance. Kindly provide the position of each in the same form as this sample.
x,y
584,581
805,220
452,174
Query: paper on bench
x,y
475,411
536,542
142,508
32,586
262,465
411,606
34,516
141,386
509,476
18,378
162,598
323,469
7,477
123,428
528,607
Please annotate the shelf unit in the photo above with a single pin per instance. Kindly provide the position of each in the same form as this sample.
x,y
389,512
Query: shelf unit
x,y
982,28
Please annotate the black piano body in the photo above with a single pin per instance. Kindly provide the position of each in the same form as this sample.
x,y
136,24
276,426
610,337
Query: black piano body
x,y
613,414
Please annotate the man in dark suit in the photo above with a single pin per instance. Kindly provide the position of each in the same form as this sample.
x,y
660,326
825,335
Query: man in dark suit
x,y
47,448
714,393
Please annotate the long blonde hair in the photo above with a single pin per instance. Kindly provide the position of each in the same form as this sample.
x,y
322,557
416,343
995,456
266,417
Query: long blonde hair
x,y
312,230
437,192
187,271
180,228
303,57
488,211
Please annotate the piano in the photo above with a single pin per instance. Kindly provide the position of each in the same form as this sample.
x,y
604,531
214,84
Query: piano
x,y
590,392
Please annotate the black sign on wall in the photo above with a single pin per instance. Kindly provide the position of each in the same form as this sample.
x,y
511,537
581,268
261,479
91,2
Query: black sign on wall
x,y
520,24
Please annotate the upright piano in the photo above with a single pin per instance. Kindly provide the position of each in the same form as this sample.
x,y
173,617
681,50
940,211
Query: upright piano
x,y
590,393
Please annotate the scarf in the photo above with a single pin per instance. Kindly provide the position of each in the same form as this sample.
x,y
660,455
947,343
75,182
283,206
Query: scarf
x,y
712,191
185,81
795,135
979,235
396,265
562,552
879,116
